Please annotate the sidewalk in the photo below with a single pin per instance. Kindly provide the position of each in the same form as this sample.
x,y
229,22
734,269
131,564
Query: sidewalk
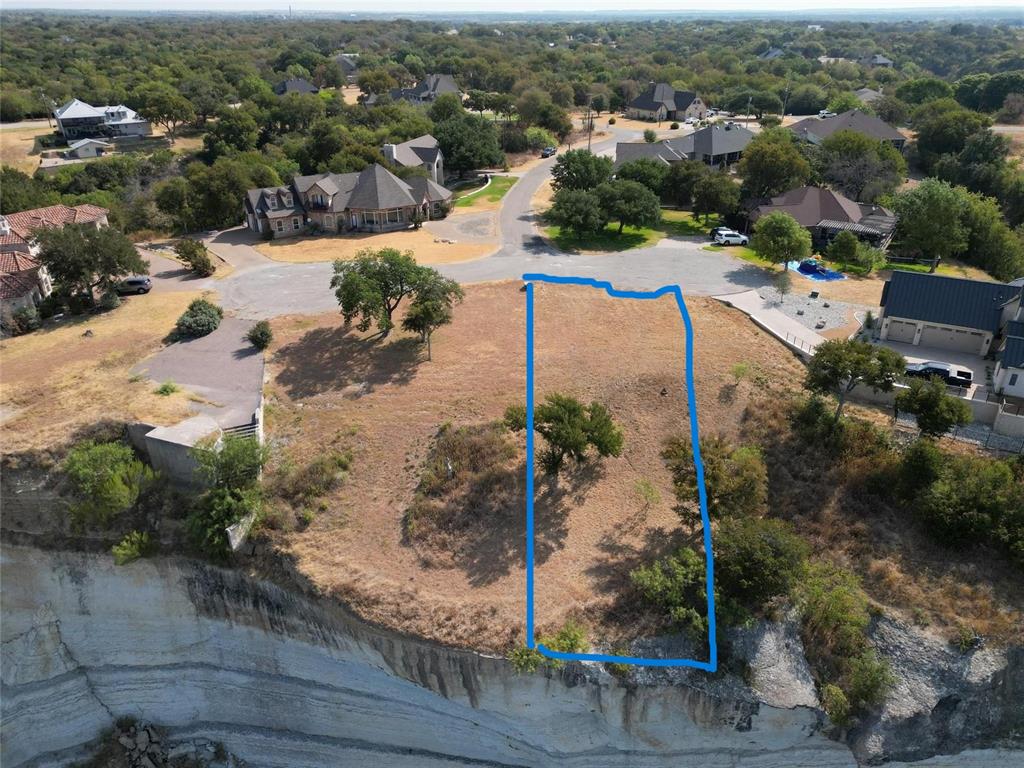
x,y
793,334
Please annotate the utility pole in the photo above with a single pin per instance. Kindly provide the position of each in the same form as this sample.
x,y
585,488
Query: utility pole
x,y
746,122
590,126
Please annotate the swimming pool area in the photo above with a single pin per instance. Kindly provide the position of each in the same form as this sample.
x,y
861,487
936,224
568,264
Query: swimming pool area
x,y
813,269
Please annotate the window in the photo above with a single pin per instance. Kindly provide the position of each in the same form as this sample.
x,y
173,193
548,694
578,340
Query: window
x,y
295,223
395,216
1013,379
272,201
288,200
280,225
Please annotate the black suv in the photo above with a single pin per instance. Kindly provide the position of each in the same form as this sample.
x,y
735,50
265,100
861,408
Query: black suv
x,y
953,376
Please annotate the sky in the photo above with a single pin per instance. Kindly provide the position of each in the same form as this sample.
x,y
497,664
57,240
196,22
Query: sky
x,y
532,6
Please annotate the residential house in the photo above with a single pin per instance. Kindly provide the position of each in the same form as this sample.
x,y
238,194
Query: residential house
x,y
424,92
1008,378
827,60
421,152
23,280
663,102
817,129
826,213
771,54
76,119
717,145
876,60
951,313
349,63
815,28
373,200
295,85
867,95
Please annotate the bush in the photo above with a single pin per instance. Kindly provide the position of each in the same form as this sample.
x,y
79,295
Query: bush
x,y
196,255
54,304
611,121
133,546
526,659
201,318
311,481
106,479
650,136
166,389
867,680
235,463
736,479
110,300
835,703
214,512
515,417
22,321
675,585
78,303
539,138
570,429
674,126
260,335
756,560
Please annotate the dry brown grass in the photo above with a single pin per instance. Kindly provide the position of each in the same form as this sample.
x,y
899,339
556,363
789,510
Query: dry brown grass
x,y
336,389
542,198
330,247
18,147
57,379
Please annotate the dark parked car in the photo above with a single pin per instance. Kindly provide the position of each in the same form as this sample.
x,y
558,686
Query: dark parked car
x,y
135,284
549,152
951,374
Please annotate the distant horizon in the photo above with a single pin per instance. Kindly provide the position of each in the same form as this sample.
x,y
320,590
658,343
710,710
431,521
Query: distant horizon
x,y
471,8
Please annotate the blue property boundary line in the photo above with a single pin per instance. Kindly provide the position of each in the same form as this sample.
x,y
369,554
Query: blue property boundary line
x,y
711,664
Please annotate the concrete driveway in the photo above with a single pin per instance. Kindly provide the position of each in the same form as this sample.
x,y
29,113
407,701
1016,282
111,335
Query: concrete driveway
x,y
222,368
918,354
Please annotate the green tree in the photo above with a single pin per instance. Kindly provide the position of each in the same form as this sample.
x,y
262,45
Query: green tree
x,y
844,102
649,172
375,81
923,89
446,107
680,180
630,202
196,255
571,429
214,512
735,478
580,169
783,284
234,130
372,285
806,99
715,193
85,259
577,211
757,560
930,221
164,105
20,192
861,167
843,249
676,585
937,412
232,463
943,127
771,164
106,479
838,366
780,239
891,110
650,136
468,142
432,307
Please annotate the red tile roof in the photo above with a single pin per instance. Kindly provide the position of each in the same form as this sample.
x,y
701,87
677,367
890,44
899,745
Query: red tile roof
x,y
23,223
13,261
17,285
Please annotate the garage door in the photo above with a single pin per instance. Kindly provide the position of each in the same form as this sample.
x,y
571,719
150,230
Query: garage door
x,y
950,338
900,330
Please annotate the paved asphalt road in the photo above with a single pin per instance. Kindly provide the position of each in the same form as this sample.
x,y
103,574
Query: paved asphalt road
x,y
261,288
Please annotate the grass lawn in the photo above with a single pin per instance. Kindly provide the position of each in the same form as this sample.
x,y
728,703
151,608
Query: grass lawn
x,y
491,194
673,224
742,252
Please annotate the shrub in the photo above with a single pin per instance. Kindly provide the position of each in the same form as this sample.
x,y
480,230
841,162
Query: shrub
x,y
22,321
167,388
834,612
650,136
313,480
201,318
646,493
570,429
675,585
835,703
525,659
260,335
757,559
867,680
538,138
214,512
674,126
52,305
235,463
78,303
920,467
736,479
611,121
515,417
110,300
133,546
106,479
196,255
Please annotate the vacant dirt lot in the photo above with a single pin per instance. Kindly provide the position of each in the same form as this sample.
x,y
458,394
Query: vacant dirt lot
x,y
67,376
333,388
424,244
18,147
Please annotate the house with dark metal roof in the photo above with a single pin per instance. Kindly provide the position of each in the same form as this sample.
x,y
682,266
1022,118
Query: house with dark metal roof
x,y
876,60
424,92
951,313
373,200
771,54
817,129
826,213
867,95
349,64
1008,378
663,102
421,152
295,85
716,145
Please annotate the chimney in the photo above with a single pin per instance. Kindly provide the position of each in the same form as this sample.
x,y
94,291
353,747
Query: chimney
x,y
5,227
389,153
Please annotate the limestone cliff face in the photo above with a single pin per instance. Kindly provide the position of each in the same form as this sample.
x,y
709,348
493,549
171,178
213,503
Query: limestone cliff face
x,y
283,681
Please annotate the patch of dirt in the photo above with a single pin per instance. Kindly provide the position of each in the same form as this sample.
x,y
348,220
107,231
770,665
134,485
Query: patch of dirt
x,y
18,147
542,198
425,245
333,388
78,372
